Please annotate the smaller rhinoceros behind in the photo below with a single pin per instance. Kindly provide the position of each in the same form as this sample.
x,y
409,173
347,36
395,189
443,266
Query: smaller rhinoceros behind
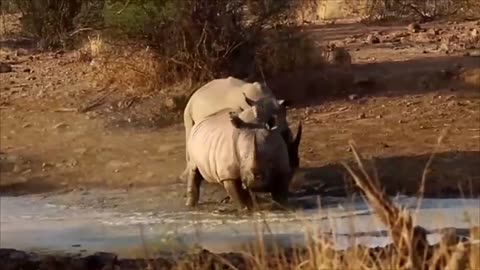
x,y
241,153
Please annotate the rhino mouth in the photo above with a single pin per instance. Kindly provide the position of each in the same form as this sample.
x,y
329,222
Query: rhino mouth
x,y
255,183
271,122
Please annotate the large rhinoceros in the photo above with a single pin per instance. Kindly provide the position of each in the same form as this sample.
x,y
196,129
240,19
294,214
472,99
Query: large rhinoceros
x,y
241,152
230,93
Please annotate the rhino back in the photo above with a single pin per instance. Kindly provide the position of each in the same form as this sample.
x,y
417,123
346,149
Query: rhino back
x,y
212,147
223,93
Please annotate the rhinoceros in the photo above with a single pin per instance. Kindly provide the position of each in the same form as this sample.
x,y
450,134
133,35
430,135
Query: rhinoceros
x,y
240,151
230,93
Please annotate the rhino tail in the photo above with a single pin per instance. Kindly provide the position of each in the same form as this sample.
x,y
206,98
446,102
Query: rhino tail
x,y
188,123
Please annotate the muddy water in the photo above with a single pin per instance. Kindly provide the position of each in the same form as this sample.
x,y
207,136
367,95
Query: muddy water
x,y
52,224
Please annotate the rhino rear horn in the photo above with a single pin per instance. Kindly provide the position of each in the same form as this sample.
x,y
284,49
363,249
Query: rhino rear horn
x,y
298,137
249,101
285,103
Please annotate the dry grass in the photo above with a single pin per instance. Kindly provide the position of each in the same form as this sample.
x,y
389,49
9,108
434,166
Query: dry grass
x,y
133,70
409,248
95,46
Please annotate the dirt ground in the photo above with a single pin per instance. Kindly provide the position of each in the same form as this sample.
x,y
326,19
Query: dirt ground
x,y
405,90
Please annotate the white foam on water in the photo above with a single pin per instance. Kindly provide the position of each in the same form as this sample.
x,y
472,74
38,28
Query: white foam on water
x,y
31,222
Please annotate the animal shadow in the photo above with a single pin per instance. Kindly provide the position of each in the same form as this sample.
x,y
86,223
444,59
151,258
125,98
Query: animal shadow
x,y
451,174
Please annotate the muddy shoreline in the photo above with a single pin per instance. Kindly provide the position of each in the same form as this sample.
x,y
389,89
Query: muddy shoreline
x,y
12,259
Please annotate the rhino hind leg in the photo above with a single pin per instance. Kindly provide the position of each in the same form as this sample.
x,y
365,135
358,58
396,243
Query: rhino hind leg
x,y
239,196
184,175
188,124
194,180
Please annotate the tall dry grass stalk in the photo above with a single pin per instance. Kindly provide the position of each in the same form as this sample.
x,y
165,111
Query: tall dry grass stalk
x,y
95,46
409,241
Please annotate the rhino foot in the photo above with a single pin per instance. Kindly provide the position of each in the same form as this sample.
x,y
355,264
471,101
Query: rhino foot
x,y
194,180
240,196
190,202
225,200
280,192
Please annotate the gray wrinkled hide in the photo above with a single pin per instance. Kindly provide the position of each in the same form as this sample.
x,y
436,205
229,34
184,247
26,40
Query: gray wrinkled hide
x,y
220,151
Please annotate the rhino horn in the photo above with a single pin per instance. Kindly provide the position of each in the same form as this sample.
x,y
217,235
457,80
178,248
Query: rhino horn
x,y
254,155
249,101
285,103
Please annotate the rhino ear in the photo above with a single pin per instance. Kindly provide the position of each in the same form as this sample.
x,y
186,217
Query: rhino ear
x,y
285,103
250,102
235,120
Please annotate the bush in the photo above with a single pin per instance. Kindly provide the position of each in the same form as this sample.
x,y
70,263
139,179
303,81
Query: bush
x,y
202,40
55,22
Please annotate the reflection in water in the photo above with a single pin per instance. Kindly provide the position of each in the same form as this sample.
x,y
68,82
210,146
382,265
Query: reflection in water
x,y
31,223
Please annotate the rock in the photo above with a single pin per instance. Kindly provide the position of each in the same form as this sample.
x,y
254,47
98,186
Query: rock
x,y
433,31
352,96
372,39
18,255
47,164
349,40
338,56
5,68
99,260
414,27
60,126
475,53
26,125
362,116
117,164
444,47
80,151
474,33
27,70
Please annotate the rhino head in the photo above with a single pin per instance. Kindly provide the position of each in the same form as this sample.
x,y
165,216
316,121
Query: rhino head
x,y
253,172
274,113
252,167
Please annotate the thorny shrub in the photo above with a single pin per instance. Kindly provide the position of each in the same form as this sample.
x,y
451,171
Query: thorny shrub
x,y
55,22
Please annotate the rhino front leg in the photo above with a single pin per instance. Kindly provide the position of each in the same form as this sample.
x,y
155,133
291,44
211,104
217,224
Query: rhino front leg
x,y
194,180
240,196
279,189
